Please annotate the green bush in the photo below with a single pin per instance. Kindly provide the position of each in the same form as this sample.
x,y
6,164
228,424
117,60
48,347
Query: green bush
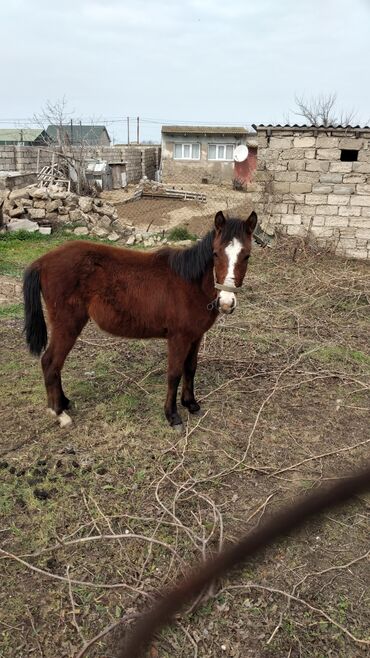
x,y
180,233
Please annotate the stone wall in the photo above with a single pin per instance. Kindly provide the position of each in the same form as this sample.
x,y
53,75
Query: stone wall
x,y
141,160
302,185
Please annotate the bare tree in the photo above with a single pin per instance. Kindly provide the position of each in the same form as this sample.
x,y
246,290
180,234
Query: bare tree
x,y
70,151
322,110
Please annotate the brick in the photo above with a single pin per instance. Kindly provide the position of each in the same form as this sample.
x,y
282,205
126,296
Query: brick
x,y
310,154
360,167
308,176
351,143
300,188
303,209
331,178
318,221
357,253
324,142
291,220
347,243
322,189
344,189
281,208
328,154
296,165
349,211
323,231
296,230
304,142
360,200
326,210
342,167
363,189
338,199
360,222
336,222
354,178
276,166
286,176
315,199
364,156
280,142
292,154
315,165
363,233
293,198
365,212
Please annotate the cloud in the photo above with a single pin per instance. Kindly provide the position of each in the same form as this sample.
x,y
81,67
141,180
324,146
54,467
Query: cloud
x,y
198,60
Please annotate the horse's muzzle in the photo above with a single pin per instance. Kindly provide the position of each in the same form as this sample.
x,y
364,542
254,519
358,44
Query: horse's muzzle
x,y
226,307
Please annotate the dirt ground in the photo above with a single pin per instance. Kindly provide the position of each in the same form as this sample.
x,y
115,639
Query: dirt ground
x,y
197,217
97,518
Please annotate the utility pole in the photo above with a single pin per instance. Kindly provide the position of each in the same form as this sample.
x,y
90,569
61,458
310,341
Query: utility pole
x,y
71,131
128,131
138,129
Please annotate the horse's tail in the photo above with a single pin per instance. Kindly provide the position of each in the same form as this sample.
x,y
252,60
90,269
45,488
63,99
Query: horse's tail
x,y
34,321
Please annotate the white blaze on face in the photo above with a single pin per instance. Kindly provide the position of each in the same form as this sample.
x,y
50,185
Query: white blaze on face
x,y
232,251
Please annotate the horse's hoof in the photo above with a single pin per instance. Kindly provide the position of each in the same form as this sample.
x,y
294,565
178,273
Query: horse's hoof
x,y
64,420
192,407
51,412
179,428
199,413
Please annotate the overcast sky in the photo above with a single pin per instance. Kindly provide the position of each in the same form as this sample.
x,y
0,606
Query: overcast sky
x,y
216,61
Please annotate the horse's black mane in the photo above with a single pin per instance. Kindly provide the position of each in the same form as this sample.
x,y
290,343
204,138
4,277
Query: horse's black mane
x,y
192,263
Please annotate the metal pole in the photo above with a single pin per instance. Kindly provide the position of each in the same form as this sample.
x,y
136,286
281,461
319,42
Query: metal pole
x,y
71,132
128,131
138,129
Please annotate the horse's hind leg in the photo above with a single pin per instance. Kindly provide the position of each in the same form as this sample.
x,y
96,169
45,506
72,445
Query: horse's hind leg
x,y
190,365
63,338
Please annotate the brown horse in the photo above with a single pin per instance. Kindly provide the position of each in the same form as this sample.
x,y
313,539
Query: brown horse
x,y
170,293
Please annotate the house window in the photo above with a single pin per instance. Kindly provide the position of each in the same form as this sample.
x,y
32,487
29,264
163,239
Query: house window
x,y
221,151
187,151
348,155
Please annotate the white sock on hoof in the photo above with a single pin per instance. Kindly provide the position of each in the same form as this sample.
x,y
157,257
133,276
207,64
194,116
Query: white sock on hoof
x,y
51,412
64,420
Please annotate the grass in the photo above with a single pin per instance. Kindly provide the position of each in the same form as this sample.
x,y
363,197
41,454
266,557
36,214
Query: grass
x,y
19,248
11,311
180,233
275,372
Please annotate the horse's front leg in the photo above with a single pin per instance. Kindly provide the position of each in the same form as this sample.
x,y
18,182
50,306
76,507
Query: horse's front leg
x,y
178,349
190,365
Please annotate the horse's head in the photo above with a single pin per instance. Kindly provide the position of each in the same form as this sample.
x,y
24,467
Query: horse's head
x,y
231,249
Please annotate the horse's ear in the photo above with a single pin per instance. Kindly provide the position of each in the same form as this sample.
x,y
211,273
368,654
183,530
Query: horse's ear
x,y
219,220
251,222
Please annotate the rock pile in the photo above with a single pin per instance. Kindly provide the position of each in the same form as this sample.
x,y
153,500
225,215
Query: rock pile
x,y
37,208
45,209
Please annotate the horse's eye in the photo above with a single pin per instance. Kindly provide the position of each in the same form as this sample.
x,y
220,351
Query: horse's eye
x,y
215,254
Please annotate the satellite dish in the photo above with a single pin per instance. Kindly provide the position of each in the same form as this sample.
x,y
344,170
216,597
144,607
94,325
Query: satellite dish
x,y
241,153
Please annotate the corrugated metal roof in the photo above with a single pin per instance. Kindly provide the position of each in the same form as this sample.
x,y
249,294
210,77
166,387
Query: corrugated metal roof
x,y
19,134
204,130
296,126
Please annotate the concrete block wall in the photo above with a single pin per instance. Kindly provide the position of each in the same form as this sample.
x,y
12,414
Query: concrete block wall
x,y
140,160
302,185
